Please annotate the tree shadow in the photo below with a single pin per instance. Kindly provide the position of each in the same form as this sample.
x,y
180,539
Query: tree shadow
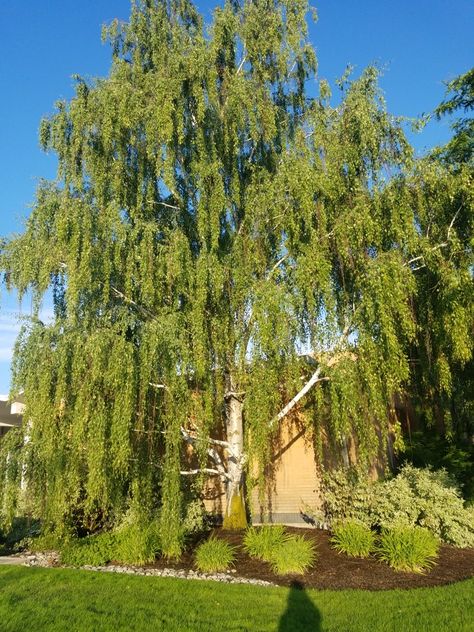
x,y
301,615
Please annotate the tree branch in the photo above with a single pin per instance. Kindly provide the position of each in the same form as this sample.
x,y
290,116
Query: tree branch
x,y
211,452
314,379
144,310
204,470
241,65
438,246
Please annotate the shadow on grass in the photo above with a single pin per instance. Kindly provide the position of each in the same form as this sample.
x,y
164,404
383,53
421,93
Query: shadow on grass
x,y
301,614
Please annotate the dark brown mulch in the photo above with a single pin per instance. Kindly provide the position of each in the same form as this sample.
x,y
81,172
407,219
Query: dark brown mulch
x,y
337,572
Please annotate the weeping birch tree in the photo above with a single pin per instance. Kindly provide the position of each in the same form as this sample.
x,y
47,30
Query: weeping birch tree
x,y
223,247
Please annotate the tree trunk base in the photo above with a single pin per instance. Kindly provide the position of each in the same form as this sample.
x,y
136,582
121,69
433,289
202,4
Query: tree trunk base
x,y
237,517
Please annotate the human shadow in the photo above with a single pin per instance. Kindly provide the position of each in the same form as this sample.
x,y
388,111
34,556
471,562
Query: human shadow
x,y
301,615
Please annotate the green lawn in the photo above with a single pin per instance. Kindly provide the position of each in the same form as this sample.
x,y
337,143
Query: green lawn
x,y
33,599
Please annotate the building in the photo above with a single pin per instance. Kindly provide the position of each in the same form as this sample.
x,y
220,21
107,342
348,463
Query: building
x,y
10,414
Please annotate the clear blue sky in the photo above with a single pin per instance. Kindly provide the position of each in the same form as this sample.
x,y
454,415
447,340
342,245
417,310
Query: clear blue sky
x,y
421,43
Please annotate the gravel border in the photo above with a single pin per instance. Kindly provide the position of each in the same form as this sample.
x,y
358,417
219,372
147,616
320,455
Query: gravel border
x,y
50,559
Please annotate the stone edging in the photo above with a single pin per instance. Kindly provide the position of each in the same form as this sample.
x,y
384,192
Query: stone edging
x,y
51,560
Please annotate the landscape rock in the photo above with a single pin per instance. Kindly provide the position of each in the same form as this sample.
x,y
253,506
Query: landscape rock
x,y
51,559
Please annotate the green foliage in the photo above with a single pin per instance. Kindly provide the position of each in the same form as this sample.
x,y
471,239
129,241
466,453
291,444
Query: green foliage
x,y
407,548
295,555
11,447
130,544
348,494
208,219
414,497
21,532
262,542
31,596
95,550
460,97
287,554
47,542
427,449
196,519
353,538
214,555
137,543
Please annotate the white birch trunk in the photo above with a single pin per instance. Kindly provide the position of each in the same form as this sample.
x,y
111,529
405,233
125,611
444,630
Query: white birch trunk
x,y
235,469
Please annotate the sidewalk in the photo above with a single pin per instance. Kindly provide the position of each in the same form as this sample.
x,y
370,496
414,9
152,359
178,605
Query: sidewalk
x,y
13,559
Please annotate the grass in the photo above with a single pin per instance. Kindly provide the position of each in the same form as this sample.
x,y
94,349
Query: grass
x,y
46,600
353,539
214,555
295,555
261,542
408,548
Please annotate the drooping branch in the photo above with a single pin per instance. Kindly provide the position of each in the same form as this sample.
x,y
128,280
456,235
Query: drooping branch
x,y
204,470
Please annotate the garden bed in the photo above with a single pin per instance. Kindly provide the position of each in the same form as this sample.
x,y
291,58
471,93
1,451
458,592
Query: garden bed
x,y
337,571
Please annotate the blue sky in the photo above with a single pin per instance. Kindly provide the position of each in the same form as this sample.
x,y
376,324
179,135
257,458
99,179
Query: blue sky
x,y
420,43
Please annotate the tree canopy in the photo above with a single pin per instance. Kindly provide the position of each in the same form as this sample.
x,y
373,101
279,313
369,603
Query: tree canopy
x,y
223,244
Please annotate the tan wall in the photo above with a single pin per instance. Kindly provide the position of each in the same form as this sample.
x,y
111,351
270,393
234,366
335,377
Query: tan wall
x,y
293,480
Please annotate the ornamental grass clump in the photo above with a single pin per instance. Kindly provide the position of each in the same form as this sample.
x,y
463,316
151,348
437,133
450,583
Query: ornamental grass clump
x,y
293,556
353,538
129,544
412,549
262,542
214,555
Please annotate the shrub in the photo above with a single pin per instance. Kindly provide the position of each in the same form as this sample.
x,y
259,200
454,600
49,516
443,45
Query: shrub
x,y
415,496
214,555
408,548
294,555
130,544
20,533
94,550
262,542
46,542
353,538
457,457
196,519
137,543
348,494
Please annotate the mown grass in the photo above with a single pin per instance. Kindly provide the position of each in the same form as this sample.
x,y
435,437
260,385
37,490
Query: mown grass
x,y
82,601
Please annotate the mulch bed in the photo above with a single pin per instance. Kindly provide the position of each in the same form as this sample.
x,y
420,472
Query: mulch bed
x,y
338,572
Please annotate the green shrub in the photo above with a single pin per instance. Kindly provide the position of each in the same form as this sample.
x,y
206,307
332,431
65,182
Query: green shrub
x,y
95,550
46,542
408,548
427,449
214,555
353,538
129,544
19,534
137,543
293,556
348,494
262,542
196,519
414,497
